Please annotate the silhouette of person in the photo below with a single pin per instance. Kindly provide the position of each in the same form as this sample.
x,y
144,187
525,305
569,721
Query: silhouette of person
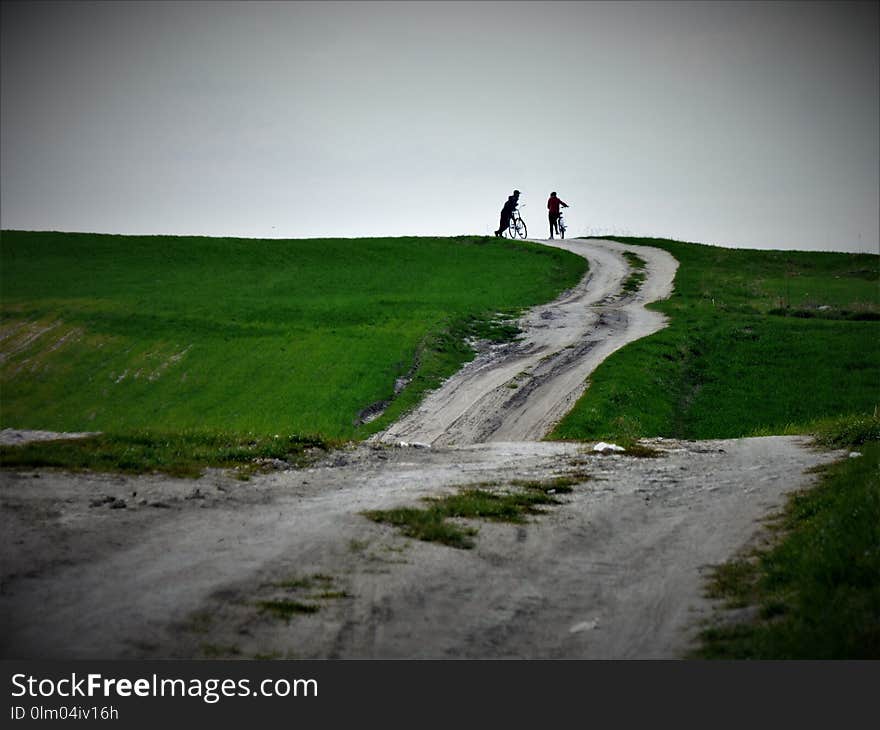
x,y
507,212
553,206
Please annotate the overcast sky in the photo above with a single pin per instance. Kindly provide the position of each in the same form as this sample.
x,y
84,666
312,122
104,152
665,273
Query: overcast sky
x,y
739,124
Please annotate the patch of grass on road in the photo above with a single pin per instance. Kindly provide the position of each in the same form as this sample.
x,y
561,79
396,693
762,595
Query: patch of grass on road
x,y
429,525
307,592
729,365
287,609
816,590
554,485
637,276
432,524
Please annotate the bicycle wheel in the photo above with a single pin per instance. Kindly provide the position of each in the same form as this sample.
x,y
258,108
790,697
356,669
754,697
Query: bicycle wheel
x,y
521,228
562,231
511,228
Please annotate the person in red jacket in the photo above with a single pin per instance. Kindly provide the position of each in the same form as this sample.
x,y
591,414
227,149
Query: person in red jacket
x,y
553,206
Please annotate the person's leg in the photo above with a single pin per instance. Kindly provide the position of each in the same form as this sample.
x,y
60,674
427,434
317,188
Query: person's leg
x,y
502,224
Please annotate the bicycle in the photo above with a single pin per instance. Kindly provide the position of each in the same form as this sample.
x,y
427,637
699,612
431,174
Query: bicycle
x,y
517,226
560,224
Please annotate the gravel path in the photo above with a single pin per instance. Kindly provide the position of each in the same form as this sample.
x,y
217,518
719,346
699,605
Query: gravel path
x,y
103,566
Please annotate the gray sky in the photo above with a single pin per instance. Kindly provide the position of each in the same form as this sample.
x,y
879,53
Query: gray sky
x,y
748,124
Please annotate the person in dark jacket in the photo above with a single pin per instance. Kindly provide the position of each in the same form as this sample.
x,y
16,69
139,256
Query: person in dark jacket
x,y
507,212
553,206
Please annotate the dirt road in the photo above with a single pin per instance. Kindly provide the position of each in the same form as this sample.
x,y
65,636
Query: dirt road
x,y
517,392
148,567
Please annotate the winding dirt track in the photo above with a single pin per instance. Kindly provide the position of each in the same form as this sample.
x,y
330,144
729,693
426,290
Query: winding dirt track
x,y
182,569
518,392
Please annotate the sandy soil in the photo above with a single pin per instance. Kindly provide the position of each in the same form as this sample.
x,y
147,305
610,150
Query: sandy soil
x,y
98,566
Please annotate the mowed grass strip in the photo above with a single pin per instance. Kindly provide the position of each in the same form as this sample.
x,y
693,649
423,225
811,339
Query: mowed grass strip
x,y
135,334
759,342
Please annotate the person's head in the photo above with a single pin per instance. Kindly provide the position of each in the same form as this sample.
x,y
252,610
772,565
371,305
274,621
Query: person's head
x,y
552,195
516,193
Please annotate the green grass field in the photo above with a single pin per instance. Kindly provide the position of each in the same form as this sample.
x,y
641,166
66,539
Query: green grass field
x,y
128,334
759,342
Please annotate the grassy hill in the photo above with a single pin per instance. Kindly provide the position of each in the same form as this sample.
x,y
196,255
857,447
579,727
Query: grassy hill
x,y
759,342
187,352
126,334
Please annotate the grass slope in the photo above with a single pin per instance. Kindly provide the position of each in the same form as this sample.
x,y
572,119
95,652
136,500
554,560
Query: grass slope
x,y
814,591
759,342
134,334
